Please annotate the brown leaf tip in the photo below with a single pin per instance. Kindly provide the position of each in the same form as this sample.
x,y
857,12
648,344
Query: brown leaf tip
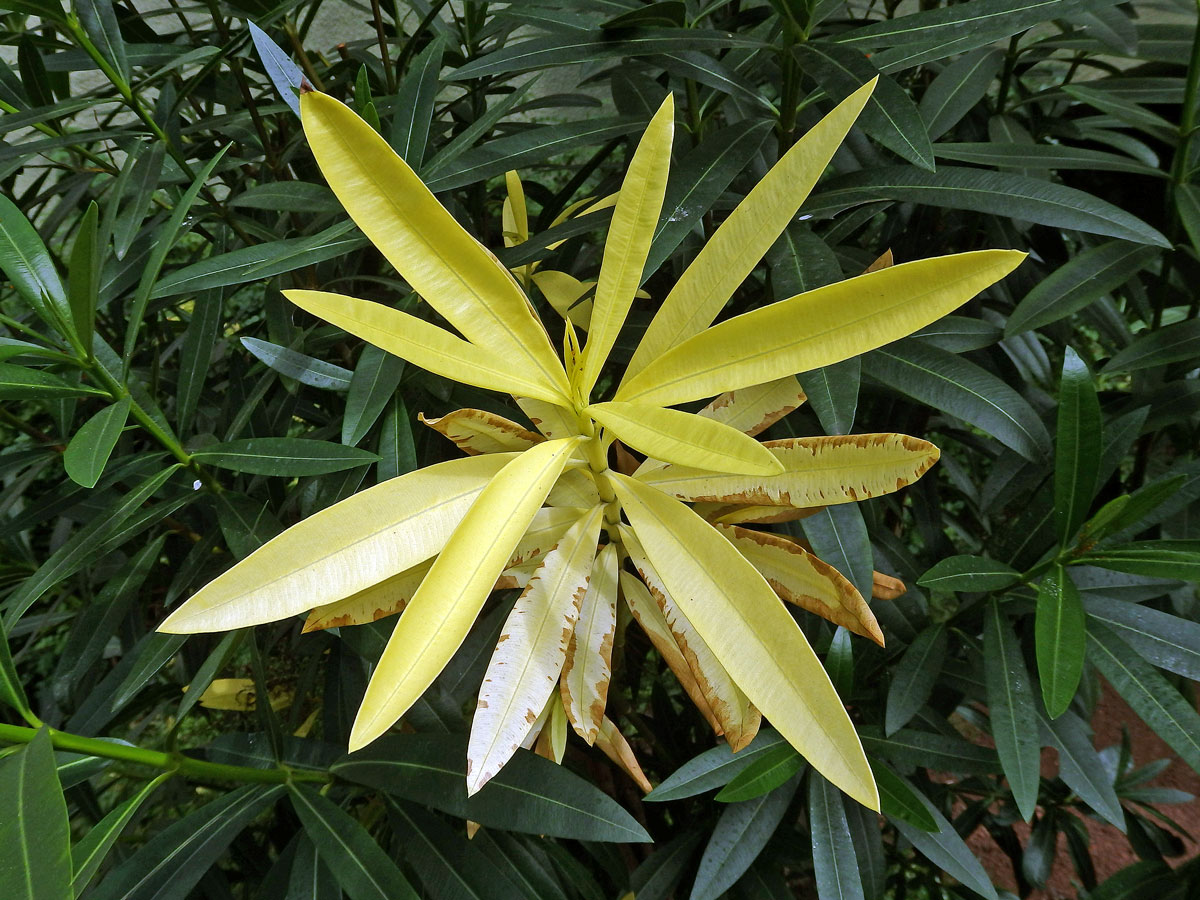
x,y
305,87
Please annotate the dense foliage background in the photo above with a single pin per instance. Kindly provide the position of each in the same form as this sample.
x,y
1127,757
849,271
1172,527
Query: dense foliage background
x,y
157,194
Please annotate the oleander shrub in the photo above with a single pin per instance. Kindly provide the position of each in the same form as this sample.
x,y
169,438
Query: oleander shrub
x,y
184,378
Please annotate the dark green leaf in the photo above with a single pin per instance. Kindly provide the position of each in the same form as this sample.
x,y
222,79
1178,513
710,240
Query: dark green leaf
x,y
1174,343
657,877
144,179
283,456
969,573
909,748
1144,880
88,452
1083,280
530,794
398,455
835,864
961,389
1158,559
86,260
414,105
22,383
766,773
24,259
998,193
914,676
714,768
958,334
1010,702
1081,768
898,800
375,380
310,878
739,837
1152,697
303,368
35,835
196,355
88,855
174,860
288,196
1168,641
957,90
838,536
12,692
1061,638
363,870
100,22
1076,462
1045,157
890,116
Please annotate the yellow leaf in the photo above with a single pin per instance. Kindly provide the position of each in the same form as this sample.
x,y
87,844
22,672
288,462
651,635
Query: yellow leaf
x,y
341,550
430,250
628,243
238,695
552,739
742,239
547,529
884,261
588,668
615,747
530,654
650,618
738,616
563,291
515,217
818,471
801,578
550,419
685,439
738,718
738,514
440,614
817,328
476,431
576,487
428,346
376,602
752,410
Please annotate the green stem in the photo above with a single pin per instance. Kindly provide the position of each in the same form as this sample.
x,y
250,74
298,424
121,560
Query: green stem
x,y
157,759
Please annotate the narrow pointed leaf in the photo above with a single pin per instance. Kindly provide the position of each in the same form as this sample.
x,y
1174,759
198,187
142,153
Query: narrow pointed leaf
x,y
1179,342
366,538
817,472
835,862
742,240
1061,639
588,668
89,853
88,452
303,368
371,604
431,251
1081,767
426,345
476,431
1076,461
438,617
361,867
28,265
35,834
765,774
761,644
1011,704
284,74
23,383
899,800
283,456
629,237
1166,640
914,677
817,328
969,573
685,439
614,745
532,649
86,261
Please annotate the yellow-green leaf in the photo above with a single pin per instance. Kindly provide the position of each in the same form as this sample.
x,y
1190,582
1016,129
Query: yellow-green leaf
x,y
379,601
585,676
737,716
685,439
341,550
817,328
801,578
752,410
547,529
515,217
818,471
476,431
737,246
440,614
563,291
576,488
736,613
650,618
426,345
530,654
629,237
431,251
550,419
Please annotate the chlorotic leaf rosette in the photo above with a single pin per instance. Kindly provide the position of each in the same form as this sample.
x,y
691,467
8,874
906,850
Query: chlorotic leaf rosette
x,y
543,510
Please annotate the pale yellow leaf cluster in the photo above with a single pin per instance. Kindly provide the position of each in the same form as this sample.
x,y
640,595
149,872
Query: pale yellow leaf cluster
x,y
540,509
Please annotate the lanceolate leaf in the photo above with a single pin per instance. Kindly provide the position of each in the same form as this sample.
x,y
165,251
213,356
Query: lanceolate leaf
x,y
753,635
529,656
359,540
715,768
24,259
588,668
476,431
303,368
817,328
1061,637
89,853
431,251
441,613
1168,641
35,834
89,450
283,456
743,239
765,774
1011,704
835,863
969,573
1174,343
914,676
1078,435
628,242
23,383
953,385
